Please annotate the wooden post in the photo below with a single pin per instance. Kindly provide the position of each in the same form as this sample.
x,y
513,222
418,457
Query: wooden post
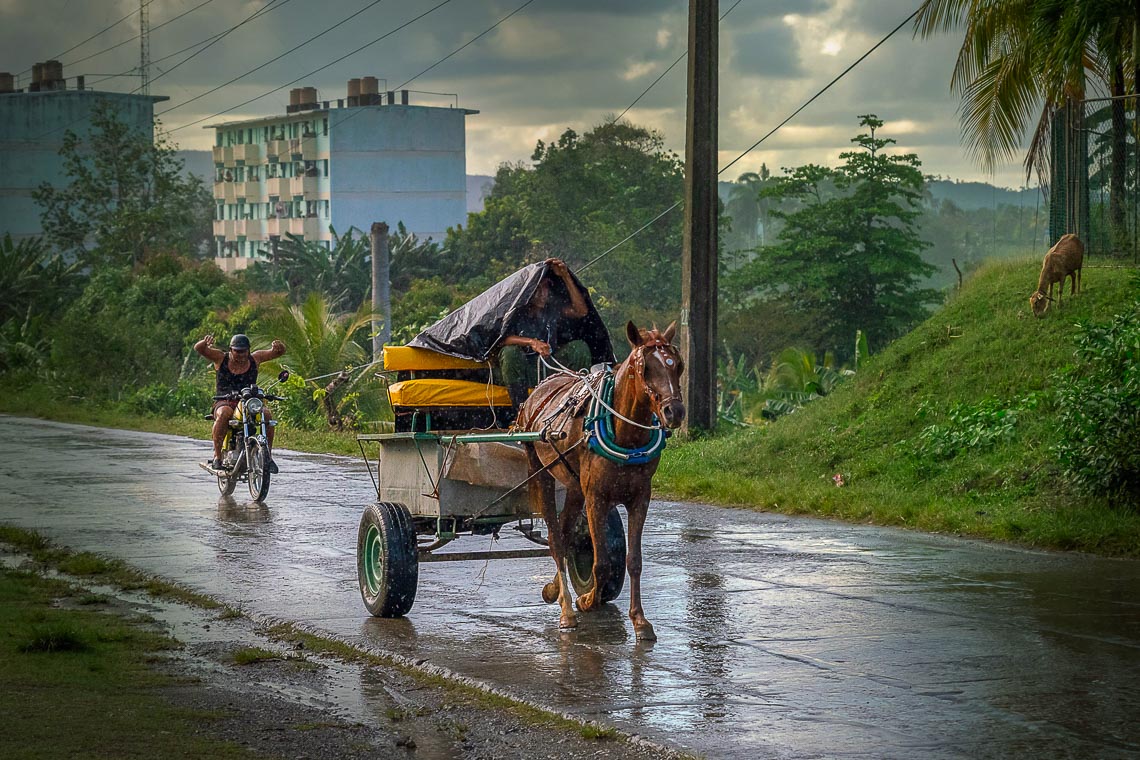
x,y
381,299
699,255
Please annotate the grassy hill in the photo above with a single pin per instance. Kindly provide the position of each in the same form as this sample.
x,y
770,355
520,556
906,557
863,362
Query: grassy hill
x,y
983,350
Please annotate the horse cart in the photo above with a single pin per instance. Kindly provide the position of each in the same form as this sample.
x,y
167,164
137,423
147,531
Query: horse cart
x,y
450,472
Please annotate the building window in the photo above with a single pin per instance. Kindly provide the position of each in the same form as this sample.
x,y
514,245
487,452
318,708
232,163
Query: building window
x,y
324,167
325,126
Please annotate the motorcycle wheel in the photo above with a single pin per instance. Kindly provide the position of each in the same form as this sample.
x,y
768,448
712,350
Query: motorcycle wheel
x,y
257,469
227,484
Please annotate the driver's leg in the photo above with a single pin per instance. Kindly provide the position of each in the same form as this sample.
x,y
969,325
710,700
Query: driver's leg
x,y
223,413
269,431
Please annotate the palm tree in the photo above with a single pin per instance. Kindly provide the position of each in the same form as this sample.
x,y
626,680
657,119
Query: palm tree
x,y
341,272
322,344
1021,55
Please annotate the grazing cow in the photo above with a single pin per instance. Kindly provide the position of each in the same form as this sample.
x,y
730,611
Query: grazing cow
x,y
1063,260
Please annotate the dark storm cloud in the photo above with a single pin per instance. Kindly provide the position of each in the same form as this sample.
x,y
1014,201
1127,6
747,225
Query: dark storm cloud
x,y
769,51
554,65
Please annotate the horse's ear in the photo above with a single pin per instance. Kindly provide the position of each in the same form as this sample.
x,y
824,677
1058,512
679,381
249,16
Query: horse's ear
x,y
670,331
632,334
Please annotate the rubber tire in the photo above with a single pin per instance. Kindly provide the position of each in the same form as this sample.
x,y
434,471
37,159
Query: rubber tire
x,y
227,484
387,562
257,470
582,557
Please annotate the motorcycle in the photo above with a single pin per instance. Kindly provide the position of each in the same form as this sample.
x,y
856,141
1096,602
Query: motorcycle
x,y
245,449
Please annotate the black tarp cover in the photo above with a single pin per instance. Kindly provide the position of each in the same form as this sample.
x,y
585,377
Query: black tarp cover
x,y
475,329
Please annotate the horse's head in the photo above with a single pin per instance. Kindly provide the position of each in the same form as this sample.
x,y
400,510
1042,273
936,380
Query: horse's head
x,y
659,366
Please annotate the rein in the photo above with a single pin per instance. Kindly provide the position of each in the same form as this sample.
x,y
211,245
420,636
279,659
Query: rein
x,y
600,430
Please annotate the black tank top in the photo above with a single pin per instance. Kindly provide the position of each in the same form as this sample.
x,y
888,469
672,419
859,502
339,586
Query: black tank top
x,y
228,382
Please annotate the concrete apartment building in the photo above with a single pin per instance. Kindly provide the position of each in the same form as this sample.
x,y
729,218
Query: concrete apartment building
x,y
366,158
33,122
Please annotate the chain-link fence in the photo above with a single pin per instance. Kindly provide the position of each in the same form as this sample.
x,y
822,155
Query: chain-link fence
x,y
1094,188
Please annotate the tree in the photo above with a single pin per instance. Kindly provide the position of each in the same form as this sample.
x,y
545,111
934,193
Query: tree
x,y
583,195
341,273
322,342
126,196
849,260
1018,55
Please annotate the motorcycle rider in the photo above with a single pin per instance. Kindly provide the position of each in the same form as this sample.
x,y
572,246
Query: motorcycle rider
x,y
236,369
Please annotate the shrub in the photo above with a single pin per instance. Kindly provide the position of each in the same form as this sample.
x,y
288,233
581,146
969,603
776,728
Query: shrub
x,y
1099,419
186,399
969,426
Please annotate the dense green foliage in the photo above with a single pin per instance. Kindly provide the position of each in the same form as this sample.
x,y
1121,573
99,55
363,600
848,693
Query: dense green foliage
x,y
848,253
1099,410
582,196
125,197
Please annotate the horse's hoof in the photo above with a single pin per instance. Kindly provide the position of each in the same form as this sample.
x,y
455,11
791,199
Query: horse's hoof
x,y
567,623
586,601
550,592
645,632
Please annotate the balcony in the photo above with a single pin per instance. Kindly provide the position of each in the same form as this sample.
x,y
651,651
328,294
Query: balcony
x,y
219,154
225,228
273,227
250,154
241,227
303,186
220,190
229,192
249,190
309,228
278,186
275,148
309,148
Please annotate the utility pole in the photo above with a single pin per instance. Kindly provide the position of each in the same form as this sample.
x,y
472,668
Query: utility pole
x,y
381,299
144,47
699,255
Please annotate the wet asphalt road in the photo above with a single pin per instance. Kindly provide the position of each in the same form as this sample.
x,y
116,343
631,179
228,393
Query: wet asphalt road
x,y
779,637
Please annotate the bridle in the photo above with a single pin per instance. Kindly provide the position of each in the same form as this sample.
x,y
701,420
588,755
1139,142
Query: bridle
x,y
665,353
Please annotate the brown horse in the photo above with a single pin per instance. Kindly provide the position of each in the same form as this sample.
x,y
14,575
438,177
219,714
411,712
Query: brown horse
x,y
647,383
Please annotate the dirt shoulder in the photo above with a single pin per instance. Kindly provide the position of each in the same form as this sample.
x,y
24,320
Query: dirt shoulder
x,y
235,687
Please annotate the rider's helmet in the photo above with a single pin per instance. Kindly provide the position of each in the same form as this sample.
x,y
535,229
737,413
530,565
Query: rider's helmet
x,y
240,341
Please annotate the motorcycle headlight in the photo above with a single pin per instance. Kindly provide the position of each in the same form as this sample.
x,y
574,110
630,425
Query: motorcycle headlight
x,y
254,405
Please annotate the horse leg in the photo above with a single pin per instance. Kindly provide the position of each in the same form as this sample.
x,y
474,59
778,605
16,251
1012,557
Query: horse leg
x,y
596,512
542,488
572,506
637,511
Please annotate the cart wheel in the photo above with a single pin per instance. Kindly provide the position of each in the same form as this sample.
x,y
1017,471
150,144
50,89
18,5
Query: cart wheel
x,y
582,557
387,564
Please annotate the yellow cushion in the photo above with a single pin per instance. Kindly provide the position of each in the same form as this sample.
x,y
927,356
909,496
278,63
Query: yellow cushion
x,y
439,392
408,358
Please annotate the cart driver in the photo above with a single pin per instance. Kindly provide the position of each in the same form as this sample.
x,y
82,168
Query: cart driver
x,y
236,369
533,332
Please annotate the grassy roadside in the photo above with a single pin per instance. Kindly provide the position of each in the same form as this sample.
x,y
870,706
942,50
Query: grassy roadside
x,y
38,402
77,682
982,347
141,706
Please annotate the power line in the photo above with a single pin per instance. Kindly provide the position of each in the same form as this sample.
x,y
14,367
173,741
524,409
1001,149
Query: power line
x,y
488,30
483,33
273,60
154,28
132,71
754,145
680,58
826,87
315,71
259,12
104,30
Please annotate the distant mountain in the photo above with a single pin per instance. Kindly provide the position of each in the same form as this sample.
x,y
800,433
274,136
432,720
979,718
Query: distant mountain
x,y
971,196
199,162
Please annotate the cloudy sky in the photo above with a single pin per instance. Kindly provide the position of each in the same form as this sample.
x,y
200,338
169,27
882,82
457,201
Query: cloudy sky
x,y
553,65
